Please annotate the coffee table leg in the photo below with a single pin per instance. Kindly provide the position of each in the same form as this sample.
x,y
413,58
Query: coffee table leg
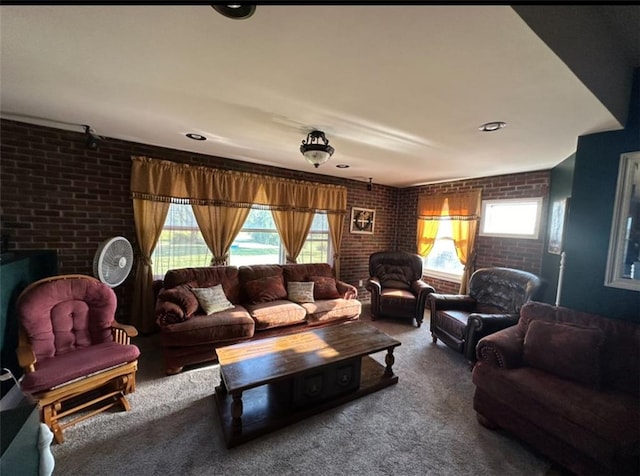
x,y
222,388
389,359
236,413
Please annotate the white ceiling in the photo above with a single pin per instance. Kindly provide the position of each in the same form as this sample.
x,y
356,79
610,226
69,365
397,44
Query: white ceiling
x,y
400,91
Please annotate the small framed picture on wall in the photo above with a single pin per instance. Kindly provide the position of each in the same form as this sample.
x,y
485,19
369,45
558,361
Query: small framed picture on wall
x,y
363,220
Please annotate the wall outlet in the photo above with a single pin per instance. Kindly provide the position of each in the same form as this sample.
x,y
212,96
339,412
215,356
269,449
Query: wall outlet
x,y
360,283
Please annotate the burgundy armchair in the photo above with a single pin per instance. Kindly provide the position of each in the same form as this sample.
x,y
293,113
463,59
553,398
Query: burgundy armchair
x,y
493,303
396,285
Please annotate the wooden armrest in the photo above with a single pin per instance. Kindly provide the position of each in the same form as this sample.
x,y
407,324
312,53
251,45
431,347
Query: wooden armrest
x,y
122,333
26,358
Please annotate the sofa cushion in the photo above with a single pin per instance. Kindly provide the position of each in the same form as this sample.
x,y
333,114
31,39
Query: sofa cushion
x,y
205,277
276,314
565,350
325,287
212,299
300,291
270,288
183,297
230,324
302,271
319,312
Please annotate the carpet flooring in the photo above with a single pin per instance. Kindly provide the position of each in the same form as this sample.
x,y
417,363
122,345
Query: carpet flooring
x,y
424,425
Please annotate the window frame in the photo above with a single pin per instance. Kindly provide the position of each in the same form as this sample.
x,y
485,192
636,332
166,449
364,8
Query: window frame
x,y
281,250
438,273
508,201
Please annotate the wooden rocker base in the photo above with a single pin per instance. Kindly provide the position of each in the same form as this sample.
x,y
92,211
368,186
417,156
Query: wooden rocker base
x,y
90,396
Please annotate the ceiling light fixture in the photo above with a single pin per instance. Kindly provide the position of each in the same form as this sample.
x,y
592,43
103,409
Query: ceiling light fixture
x,y
92,141
314,152
492,126
235,11
342,166
193,136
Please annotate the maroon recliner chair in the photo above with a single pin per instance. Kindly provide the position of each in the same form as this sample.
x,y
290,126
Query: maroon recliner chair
x,y
396,285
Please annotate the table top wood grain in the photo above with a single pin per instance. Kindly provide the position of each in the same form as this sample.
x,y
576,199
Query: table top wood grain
x,y
251,364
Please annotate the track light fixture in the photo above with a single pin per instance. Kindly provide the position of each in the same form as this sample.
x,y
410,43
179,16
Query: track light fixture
x,y
315,152
92,141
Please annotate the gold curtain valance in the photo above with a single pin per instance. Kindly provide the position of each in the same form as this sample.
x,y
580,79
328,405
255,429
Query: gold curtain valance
x,y
450,206
162,180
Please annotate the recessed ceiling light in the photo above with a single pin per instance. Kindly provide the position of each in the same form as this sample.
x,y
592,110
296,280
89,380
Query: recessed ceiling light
x,y
193,136
342,166
235,11
492,126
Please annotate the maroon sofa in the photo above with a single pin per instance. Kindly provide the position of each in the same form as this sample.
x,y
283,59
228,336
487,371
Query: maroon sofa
x,y
567,383
261,307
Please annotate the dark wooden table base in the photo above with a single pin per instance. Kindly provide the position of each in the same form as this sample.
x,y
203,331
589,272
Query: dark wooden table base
x,y
263,409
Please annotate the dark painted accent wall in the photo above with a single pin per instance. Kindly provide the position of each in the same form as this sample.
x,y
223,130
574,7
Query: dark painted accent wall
x,y
589,225
560,188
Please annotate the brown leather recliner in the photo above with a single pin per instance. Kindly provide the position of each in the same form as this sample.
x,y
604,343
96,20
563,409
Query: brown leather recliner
x,y
493,303
396,285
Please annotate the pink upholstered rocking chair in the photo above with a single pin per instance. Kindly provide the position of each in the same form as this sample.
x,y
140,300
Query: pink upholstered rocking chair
x,y
74,355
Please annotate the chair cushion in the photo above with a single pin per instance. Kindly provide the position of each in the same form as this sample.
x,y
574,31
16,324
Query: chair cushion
x,y
565,350
65,315
81,362
400,294
394,276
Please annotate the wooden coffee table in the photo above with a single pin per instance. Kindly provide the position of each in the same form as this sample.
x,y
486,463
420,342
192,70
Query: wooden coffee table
x,y
269,383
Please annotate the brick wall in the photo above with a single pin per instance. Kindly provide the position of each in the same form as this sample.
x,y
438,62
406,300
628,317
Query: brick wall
x,y
510,252
56,194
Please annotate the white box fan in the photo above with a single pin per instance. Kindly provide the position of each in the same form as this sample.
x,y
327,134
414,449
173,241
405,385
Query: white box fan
x,y
113,261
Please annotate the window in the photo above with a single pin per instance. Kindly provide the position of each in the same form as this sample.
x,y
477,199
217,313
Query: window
x,y
259,243
515,218
442,259
317,248
181,244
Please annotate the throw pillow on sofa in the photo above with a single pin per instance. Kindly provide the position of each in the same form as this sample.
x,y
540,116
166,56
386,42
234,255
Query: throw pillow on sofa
x,y
324,287
565,350
212,299
270,288
184,298
300,291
